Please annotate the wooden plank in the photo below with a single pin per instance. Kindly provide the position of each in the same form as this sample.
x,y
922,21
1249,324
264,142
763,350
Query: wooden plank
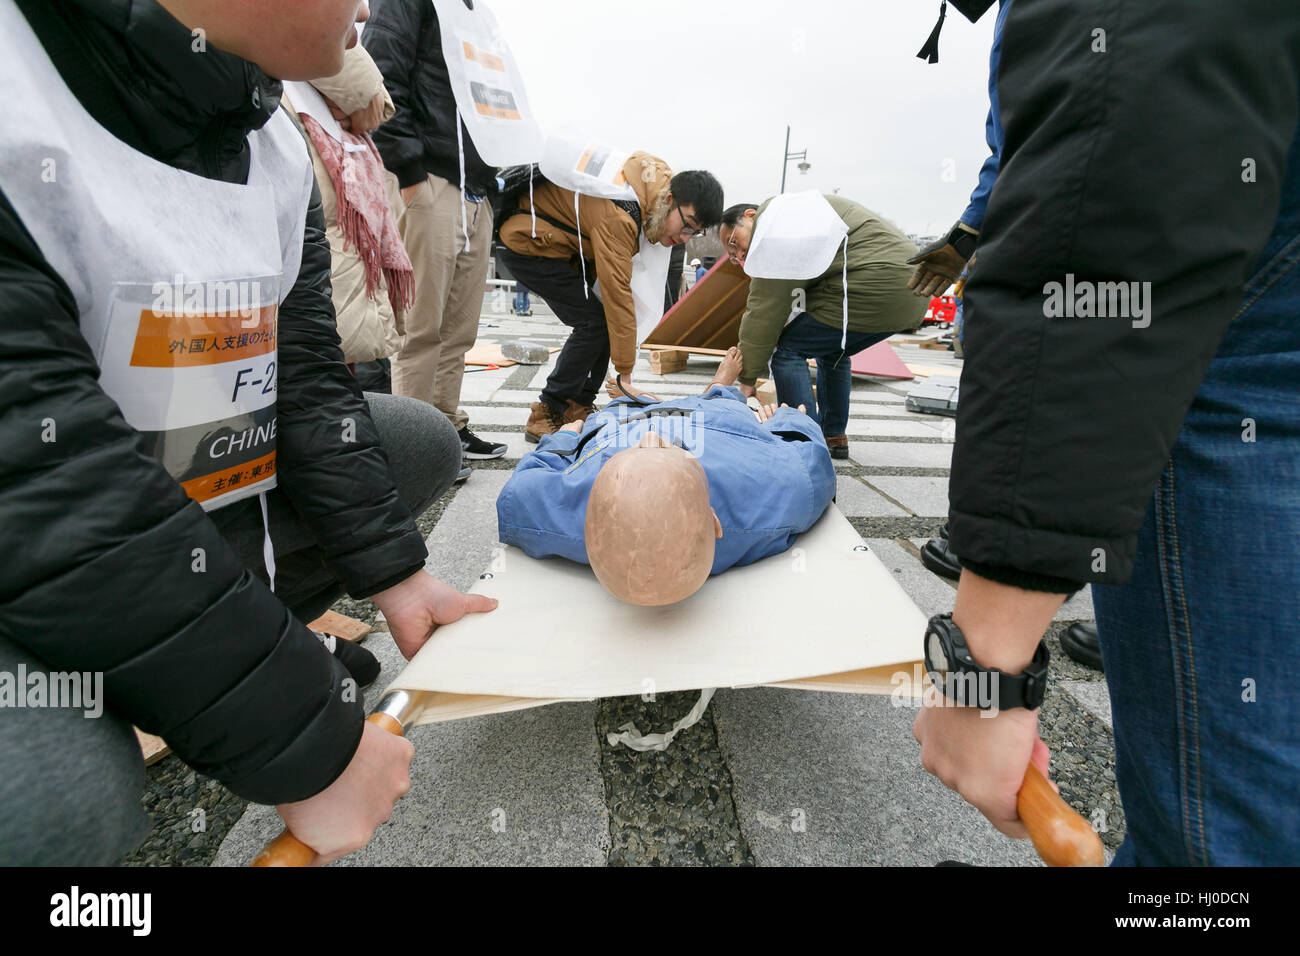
x,y
152,748
688,349
337,625
765,391
925,371
666,361
491,354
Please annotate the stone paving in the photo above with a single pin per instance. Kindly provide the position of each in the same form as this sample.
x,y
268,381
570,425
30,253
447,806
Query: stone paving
x,y
770,776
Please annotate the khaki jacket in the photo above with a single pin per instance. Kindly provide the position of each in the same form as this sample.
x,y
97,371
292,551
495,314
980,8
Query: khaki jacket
x,y
879,299
609,238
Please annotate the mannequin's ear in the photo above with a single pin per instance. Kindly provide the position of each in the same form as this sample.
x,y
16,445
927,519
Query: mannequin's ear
x,y
717,525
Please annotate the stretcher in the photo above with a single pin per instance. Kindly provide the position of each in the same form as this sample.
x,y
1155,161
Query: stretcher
x,y
792,620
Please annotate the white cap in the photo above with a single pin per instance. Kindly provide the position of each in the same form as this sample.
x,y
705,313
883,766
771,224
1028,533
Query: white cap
x,y
695,262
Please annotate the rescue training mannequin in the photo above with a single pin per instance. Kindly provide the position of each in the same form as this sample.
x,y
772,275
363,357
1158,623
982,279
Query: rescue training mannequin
x,y
656,496
650,531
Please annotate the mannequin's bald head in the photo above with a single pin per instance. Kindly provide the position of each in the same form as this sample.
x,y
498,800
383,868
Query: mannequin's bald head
x,y
650,531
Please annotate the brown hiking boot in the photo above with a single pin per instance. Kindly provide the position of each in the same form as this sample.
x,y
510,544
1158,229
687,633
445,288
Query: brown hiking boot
x,y
576,412
838,445
543,421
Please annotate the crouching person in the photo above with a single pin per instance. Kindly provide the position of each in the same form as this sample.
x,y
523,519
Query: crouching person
x,y
550,256
790,321
173,386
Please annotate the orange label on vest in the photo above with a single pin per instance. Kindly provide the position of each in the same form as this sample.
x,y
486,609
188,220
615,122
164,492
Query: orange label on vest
x,y
172,340
485,59
230,479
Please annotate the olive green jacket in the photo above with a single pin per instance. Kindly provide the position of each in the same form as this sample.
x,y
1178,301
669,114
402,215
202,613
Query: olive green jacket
x,y
879,300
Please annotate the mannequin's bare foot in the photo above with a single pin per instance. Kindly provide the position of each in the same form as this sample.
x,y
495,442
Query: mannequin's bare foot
x,y
729,368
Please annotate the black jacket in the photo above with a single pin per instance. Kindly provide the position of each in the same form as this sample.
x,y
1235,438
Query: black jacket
x,y
403,38
98,538
1122,163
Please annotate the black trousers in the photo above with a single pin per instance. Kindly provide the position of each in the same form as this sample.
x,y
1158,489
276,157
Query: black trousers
x,y
584,361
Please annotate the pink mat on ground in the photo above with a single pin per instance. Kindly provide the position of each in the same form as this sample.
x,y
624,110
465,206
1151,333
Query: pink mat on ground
x,y
882,361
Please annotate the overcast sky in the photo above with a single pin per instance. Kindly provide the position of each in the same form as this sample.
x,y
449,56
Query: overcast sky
x,y
712,85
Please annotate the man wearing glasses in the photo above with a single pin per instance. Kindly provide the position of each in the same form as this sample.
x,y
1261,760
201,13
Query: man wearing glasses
x,y
568,250
788,322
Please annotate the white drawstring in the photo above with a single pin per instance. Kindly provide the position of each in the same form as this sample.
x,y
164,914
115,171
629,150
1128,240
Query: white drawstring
x,y
531,208
635,740
464,206
844,339
578,216
268,550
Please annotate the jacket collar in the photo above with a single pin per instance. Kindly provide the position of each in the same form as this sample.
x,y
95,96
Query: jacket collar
x,y
182,93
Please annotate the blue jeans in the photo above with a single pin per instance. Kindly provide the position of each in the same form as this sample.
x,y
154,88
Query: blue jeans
x,y
522,304
1200,645
806,338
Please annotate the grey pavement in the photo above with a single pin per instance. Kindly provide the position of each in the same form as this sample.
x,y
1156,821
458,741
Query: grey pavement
x,y
771,776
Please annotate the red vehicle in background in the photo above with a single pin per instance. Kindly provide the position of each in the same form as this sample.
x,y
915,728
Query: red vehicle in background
x,y
942,311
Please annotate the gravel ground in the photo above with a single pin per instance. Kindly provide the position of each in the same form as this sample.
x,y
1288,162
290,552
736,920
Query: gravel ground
x,y
671,807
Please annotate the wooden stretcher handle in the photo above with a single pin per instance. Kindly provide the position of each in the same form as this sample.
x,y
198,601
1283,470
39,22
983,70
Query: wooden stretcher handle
x,y
1061,836
287,849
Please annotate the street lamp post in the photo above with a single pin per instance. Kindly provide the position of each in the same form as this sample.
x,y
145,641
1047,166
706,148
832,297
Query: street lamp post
x,y
802,156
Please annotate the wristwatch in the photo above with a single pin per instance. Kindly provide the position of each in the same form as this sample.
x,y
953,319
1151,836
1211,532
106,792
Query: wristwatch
x,y
964,682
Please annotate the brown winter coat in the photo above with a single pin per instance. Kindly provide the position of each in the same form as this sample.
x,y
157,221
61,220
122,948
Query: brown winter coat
x,y
609,238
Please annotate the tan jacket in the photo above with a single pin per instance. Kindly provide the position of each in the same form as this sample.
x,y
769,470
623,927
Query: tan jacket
x,y
368,328
609,238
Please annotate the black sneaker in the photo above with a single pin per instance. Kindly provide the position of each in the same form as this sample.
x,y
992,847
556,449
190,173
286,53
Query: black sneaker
x,y
478,449
361,664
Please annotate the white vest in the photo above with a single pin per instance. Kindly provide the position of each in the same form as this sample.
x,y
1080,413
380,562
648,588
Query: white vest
x,y
177,278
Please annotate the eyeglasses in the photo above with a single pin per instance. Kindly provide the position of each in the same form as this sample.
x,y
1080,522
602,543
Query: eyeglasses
x,y
687,230
733,249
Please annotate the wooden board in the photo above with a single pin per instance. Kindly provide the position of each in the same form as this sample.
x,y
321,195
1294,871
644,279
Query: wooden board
x,y
667,361
706,319
337,625
925,371
152,748
491,354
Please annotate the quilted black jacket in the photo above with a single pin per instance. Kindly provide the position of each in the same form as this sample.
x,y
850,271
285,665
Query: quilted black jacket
x,y
97,536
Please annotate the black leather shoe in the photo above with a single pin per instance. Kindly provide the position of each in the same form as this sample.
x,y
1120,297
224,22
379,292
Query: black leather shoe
x,y
1081,643
936,556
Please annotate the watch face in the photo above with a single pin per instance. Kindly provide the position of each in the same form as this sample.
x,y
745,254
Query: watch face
x,y
934,651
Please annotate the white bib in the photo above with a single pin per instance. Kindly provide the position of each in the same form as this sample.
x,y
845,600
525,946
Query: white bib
x,y
177,278
592,168
796,238
587,166
486,83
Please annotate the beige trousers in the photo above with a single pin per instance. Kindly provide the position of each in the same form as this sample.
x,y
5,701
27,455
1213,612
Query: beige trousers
x,y
443,323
